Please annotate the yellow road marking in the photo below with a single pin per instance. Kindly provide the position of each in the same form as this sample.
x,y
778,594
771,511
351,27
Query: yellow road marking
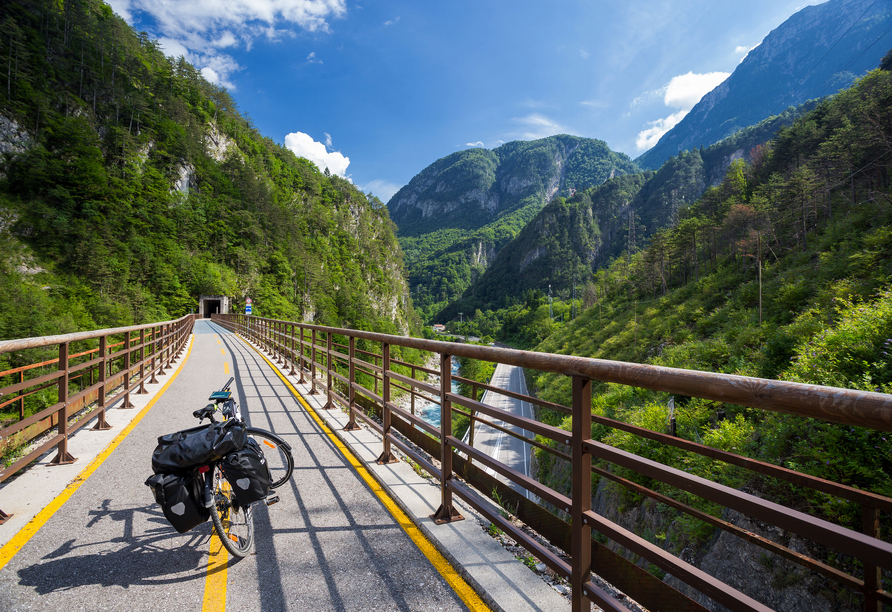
x,y
226,367
222,352
215,581
34,525
458,584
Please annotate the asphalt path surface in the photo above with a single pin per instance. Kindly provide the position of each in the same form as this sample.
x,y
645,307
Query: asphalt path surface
x,y
511,451
329,544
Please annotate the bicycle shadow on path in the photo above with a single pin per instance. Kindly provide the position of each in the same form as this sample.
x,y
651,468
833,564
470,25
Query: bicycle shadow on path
x,y
158,557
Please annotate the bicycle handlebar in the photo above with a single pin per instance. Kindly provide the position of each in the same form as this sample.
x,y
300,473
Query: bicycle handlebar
x,y
226,386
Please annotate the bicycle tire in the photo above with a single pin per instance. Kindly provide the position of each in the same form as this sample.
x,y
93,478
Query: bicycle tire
x,y
277,454
234,524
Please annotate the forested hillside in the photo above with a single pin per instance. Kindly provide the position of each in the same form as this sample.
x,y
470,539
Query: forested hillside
x,y
457,214
814,212
573,237
129,185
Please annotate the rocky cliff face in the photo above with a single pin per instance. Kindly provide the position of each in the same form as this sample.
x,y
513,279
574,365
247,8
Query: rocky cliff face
x,y
815,53
471,188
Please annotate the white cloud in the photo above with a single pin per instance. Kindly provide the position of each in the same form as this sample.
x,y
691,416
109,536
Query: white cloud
x,y
479,143
536,126
198,29
681,93
383,189
684,91
327,140
312,59
584,54
303,145
392,21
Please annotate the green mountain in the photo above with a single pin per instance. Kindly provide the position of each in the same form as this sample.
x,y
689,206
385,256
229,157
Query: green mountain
x,y
571,238
814,210
457,214
129,185
816,52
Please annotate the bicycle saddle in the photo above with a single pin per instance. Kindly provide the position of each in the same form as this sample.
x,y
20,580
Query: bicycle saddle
x,y
205,413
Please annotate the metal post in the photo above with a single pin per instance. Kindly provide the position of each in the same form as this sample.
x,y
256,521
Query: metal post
x,y
142,362
126,403
63,457
351,424
872,574
446,513
412,392
101,423
302,363
473,422
329,403
313,364
22,398
581,543
154,381
387,455
292,372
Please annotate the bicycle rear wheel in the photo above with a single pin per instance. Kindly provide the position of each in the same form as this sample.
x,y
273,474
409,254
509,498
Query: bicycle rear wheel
x,y
234,523
278,457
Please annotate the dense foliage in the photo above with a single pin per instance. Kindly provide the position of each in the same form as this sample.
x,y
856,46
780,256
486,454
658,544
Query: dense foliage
x,y
813,210
456,215
129,185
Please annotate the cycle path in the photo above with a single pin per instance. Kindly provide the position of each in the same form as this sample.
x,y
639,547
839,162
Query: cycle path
x,y
329,544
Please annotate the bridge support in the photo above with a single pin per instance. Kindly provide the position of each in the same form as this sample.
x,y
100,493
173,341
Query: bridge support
x,y
387,456
351,396
446,513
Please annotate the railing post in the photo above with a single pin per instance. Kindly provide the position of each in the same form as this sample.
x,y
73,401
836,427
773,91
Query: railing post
x,y
127,403
473,422
63,457
292,372
581,488
412,392
329,402
386,456
872,573
446,513
302,363
154,381
277,339
22,400
101,423
142,362
351,424
313,365
162,346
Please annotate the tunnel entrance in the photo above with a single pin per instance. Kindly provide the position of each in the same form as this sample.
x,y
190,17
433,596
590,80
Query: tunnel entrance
x,y
212,304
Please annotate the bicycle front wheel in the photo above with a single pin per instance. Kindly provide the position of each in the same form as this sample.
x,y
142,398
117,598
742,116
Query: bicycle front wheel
x,y
278,457
234,523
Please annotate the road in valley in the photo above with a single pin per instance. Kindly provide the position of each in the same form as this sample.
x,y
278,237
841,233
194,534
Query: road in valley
x,y
509,450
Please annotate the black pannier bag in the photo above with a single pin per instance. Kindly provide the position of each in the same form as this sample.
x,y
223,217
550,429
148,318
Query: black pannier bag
x,y
197,446
247,473
180,498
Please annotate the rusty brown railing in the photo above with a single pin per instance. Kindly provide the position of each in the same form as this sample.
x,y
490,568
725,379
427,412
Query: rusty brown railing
x,y
312,351
141,353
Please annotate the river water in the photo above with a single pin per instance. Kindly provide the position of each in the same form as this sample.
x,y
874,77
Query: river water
x,y
429,411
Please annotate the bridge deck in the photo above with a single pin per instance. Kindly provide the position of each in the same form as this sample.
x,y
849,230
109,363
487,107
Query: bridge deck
x,y
330,544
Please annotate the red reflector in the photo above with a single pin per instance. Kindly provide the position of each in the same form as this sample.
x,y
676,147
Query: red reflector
x,y
203,469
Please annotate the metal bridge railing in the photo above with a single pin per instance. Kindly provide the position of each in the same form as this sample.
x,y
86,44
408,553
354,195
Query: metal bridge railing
x,y
568,520
107,360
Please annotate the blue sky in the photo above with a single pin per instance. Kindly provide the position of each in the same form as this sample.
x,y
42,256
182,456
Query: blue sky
x,y
378,91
